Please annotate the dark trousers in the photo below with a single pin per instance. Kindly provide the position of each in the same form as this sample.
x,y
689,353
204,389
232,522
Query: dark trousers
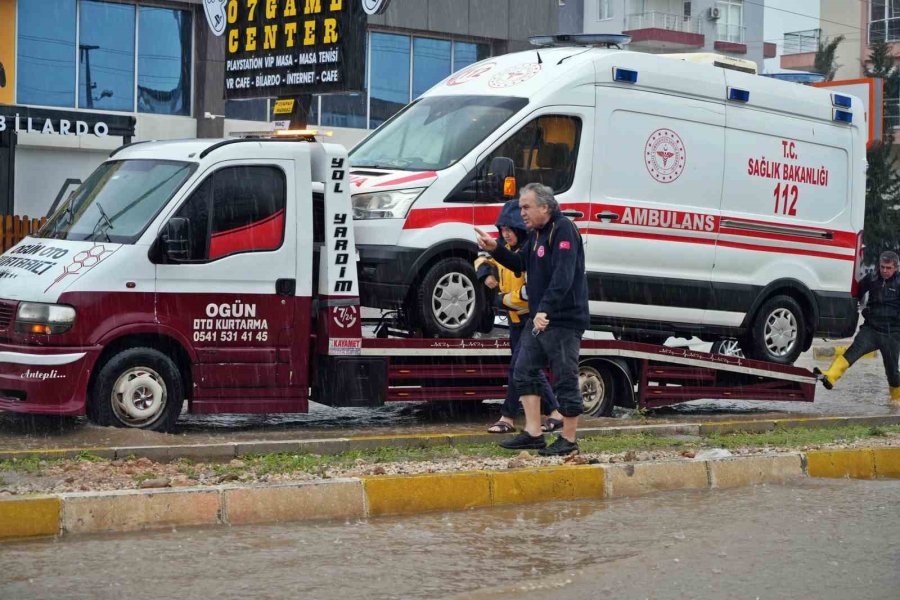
x,y
559,348
511,406
869,339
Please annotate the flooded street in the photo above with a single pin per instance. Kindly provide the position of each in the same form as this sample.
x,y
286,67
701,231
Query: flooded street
x,y
822,539
863,391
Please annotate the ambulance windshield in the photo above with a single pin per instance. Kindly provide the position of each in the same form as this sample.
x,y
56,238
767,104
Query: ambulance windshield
x,y
435,132
118,201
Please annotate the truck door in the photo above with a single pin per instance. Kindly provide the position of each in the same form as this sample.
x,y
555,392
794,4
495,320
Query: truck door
x,y
233,295
657,180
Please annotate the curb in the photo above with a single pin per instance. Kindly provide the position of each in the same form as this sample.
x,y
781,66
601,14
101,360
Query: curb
x,y
372,496
229,450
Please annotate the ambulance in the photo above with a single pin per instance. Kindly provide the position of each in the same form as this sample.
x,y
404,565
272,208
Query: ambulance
x,y
712,202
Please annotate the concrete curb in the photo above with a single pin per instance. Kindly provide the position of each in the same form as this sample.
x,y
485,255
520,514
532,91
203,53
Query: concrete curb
x,y
229,450
359,498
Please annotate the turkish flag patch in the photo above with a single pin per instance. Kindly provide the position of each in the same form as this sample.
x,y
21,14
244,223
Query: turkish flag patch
x,y
565,245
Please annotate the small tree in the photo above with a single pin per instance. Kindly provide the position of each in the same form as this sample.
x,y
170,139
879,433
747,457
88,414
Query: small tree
x,y
882,221
824,61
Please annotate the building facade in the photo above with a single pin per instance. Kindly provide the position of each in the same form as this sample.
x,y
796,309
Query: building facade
x,y
836,18
80,77
730,27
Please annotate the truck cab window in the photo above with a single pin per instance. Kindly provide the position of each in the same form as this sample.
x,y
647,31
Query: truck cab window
x,y
542,151
236,209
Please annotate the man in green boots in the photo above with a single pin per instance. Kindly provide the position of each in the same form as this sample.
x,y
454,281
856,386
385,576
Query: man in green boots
x,y
881,328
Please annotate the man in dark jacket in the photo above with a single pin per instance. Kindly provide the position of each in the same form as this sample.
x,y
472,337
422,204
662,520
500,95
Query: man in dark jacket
x,y
553,258
881,328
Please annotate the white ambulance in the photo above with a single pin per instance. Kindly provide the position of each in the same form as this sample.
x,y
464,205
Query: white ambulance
x,y
712,202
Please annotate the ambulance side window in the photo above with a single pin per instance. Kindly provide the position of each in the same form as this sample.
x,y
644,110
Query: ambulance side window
x,y
236,209
542,151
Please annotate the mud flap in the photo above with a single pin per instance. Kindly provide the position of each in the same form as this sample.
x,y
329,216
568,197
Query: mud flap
x,y
351,381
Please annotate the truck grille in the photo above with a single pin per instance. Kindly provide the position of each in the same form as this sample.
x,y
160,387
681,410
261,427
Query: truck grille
x,y
7,310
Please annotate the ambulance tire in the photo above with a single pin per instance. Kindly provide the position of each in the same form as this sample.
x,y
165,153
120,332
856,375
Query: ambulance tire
x,y
778,331
138,388
448,303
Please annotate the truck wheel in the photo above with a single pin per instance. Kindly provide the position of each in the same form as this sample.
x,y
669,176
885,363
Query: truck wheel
x,y
729,347
139,388
596,384
448,303
778,331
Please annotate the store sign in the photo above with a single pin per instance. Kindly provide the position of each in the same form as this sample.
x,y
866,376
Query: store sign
x,y
293,47
25,119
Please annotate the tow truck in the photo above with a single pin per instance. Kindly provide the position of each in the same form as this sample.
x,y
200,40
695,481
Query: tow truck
x,y
223,273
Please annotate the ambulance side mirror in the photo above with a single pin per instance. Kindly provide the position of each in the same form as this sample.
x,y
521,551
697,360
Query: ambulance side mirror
x,y
176,239
501,178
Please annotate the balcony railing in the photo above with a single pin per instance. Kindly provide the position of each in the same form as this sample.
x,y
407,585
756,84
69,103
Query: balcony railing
x,y
886,30
731,33
800,42
660,20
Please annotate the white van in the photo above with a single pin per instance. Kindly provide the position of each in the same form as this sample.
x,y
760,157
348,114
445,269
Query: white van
x,y
712,202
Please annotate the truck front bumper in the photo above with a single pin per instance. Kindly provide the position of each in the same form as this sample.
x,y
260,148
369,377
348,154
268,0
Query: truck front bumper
x,y
45,380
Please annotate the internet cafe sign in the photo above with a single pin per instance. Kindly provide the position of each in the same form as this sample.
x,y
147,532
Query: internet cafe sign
x,y
292,47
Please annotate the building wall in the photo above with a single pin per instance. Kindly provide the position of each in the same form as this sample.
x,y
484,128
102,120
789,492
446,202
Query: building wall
x,y
848,54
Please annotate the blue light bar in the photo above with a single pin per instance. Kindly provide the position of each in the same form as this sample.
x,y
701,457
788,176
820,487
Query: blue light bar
x,y
738,95
843,116
625,75
842,101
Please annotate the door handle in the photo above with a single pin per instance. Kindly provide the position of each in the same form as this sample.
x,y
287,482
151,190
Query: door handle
x,y
573,214
607,215
285,287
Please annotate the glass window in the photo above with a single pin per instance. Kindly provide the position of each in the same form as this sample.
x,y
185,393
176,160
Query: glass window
x,y
435,132
431,63
606,9
164,61
465,54
347,110
731,14
118,201
46,53
256,109
236,209
106,56
389,80
543,151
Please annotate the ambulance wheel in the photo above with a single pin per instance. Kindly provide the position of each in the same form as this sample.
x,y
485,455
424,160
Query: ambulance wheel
x,y
596,385
139,388
729,347
778,331
448,303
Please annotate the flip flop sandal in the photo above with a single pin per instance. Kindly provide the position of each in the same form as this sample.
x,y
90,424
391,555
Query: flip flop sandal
x,y
501,427
552,425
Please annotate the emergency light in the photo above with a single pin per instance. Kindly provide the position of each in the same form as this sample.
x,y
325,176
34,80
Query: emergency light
x,y
843,116
624,75
738,95
841,100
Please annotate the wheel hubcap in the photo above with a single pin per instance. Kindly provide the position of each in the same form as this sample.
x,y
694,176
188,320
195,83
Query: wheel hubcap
x,y
780,332
731,348
139,396
453,301
592,387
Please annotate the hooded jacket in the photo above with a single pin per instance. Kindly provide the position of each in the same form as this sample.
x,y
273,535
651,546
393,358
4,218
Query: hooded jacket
x,y
882,311
553,257
511,285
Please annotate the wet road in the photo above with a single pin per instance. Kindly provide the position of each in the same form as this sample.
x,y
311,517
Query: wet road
x,y
863,391
822,539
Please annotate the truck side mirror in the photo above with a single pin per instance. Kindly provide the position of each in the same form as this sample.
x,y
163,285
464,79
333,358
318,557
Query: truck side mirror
x,y
176,239
501,177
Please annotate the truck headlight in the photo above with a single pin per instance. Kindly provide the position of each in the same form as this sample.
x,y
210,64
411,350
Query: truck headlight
x,y
384,205
44,319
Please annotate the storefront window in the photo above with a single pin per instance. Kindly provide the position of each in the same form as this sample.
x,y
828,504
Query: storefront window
x,y
389,83
465,54
164,61
46,52
344,111
106,56
256,109
431,63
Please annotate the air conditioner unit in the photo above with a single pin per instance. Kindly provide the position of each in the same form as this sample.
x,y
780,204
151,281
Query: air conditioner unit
x,y
713,13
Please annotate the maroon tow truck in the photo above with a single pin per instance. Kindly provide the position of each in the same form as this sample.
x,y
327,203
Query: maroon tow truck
x,y
224,273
